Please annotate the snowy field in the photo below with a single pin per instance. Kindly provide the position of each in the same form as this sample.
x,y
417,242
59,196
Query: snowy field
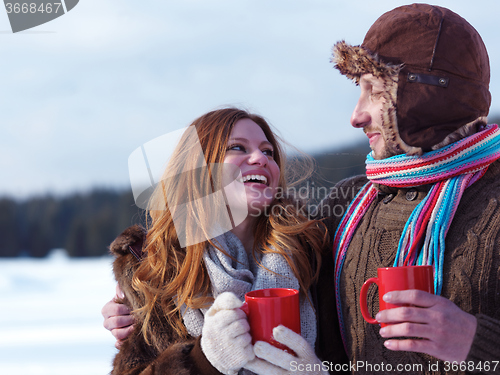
x,y
50,316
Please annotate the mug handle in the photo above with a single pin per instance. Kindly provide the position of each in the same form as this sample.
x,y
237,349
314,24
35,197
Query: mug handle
x,y
244,308
362,300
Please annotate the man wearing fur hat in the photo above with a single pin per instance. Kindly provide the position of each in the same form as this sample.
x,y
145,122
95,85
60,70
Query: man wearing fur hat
x,y
431,195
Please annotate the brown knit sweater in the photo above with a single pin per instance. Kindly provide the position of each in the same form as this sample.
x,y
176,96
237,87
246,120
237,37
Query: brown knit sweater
x,y
471,273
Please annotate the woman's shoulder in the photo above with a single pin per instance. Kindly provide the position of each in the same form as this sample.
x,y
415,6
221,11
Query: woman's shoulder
x,y
128,254
131,240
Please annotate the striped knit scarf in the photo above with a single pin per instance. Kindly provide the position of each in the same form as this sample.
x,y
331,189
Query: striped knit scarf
x,y
450,170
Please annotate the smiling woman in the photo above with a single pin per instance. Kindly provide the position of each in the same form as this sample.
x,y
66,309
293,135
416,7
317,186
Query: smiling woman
x,y
250,150
185,322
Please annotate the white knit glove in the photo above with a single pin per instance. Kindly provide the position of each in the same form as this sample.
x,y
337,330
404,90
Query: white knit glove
x,y
225,338
274,361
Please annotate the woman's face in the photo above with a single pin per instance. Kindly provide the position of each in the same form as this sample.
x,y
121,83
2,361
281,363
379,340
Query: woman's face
x,y
250,151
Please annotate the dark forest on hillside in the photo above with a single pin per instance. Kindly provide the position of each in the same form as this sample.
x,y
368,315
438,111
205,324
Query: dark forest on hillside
x,y
85,224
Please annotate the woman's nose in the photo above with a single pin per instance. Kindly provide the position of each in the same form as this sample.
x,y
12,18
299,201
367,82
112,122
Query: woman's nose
x,y
257,157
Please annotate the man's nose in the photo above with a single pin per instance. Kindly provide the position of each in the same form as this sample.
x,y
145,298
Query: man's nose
x,y
360,116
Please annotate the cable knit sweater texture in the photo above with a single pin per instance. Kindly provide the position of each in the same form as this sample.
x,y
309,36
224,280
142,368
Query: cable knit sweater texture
x,y
471,270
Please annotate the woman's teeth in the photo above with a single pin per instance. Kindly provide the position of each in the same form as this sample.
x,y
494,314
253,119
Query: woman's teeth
x,y
255,178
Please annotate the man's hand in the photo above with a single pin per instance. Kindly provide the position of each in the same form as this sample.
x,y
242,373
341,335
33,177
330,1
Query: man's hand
x,y
117,318
445,331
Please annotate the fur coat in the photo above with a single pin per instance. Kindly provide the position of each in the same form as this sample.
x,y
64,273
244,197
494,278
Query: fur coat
x,y
168,353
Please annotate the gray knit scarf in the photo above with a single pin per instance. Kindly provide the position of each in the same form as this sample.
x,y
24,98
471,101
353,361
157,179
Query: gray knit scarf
x,y
242,275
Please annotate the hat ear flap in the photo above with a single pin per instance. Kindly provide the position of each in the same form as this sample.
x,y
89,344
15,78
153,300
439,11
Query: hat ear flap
x,y
393,139
353,62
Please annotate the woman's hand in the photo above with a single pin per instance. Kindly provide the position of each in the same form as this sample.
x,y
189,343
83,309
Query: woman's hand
x,y
273,361
117,318
225,338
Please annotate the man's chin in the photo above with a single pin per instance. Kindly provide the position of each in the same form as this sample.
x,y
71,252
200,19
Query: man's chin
x,y
383,153
376,153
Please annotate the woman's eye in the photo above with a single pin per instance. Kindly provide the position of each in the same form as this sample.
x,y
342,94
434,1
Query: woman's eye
x,y
236,148
268,152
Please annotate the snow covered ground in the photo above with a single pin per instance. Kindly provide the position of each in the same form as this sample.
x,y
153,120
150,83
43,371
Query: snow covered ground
x,y
50,316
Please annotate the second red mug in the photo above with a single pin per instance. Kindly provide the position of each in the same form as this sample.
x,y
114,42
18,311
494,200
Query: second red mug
x,y
269,308
396,278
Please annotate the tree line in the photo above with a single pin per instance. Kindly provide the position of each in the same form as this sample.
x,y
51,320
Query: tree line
x,y
84,224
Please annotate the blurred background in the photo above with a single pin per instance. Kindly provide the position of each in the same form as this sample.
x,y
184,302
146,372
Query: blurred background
x,y
80,93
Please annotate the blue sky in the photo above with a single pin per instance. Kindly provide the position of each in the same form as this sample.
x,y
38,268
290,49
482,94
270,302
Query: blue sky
x,y
80,93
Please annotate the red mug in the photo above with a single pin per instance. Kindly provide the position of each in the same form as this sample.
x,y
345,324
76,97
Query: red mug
x,y
269,308
396,278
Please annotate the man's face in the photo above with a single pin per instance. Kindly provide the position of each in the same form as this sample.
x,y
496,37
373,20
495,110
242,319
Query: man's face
x,y
368,115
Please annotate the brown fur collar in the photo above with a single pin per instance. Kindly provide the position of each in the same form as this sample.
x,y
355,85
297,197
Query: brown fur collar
x,y
125,263
167,354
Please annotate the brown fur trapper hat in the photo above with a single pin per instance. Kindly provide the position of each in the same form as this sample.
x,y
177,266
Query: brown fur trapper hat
x,y
435,68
